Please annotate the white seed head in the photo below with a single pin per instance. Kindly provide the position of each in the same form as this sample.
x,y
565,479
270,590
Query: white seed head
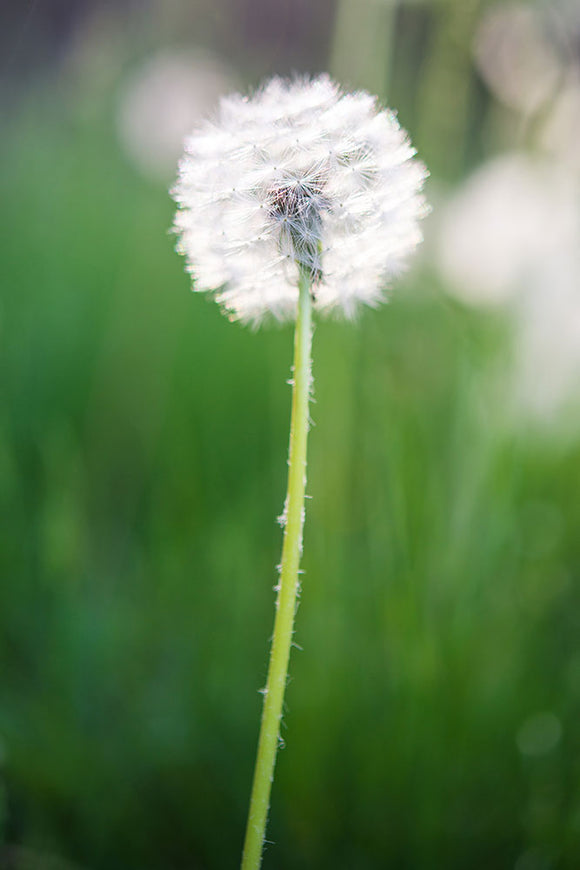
x,y
300,176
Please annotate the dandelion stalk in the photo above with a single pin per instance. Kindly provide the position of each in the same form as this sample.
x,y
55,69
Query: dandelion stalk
x,y
288,589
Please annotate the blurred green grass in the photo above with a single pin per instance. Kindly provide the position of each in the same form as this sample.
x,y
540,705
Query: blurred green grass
x,y
142,463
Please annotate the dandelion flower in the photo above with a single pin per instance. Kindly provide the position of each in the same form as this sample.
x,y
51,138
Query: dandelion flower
x,y
299,176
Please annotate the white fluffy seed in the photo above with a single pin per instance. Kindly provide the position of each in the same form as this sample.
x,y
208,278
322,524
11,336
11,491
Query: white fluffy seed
x,y
298,176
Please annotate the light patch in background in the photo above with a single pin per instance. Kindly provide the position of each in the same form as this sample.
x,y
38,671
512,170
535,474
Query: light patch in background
x,y
510,238
534,859
512,215
547,363
539,734
515,58
560,134
163,100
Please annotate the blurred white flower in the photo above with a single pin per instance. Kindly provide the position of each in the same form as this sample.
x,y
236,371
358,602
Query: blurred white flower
x,y
515,57
511,237
546,376
560,133
511,216
162,100
298,177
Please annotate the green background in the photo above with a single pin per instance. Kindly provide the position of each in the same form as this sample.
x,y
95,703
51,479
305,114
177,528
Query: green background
x,y
143,445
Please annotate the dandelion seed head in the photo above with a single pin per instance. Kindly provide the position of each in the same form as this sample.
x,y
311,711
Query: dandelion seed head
x,y
299,176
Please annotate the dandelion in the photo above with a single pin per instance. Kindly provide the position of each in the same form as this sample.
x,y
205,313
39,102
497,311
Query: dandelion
x,y
299,177
301,197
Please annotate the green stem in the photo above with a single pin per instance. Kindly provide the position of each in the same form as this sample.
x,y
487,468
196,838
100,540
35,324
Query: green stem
x,y
288,589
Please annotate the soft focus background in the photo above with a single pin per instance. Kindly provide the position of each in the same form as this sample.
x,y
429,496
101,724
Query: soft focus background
x,y
433,713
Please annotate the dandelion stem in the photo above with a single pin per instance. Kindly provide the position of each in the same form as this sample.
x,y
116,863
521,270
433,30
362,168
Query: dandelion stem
x,y
288,589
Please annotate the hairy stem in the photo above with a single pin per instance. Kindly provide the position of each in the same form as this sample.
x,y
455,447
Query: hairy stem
x,y
288,589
